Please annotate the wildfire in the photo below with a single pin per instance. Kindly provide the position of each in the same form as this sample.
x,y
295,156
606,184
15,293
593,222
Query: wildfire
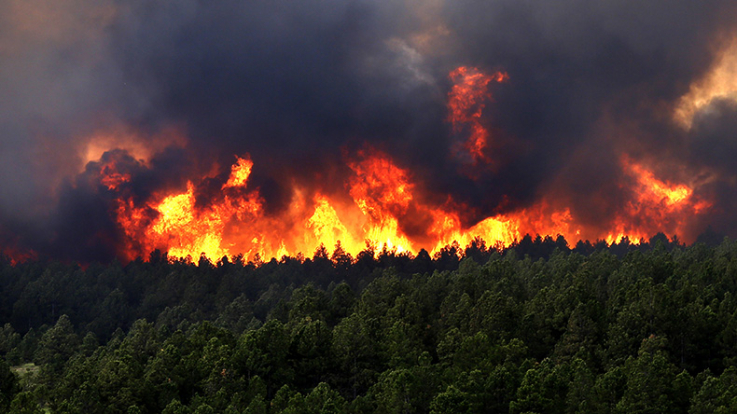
x,y
502,230
383,205
657,205
240,173
16,255
466,102
327,226
655,191
188,231
383,194
111,178
384,198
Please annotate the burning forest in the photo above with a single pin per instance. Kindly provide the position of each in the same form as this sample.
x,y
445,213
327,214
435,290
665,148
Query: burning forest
x,y
262,130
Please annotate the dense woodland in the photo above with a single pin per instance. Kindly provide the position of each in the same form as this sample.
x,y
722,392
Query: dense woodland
x,y
536,328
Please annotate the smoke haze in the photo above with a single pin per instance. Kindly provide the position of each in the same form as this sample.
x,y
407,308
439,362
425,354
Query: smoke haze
x,y
169,89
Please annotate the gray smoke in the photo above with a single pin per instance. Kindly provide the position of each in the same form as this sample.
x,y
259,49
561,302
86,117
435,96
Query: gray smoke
x,y
299,84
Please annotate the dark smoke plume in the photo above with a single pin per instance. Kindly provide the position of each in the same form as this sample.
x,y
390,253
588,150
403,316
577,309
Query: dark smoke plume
x,y
300,84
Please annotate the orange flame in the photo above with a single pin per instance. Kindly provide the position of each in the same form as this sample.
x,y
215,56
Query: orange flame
x,y
466,102
240,173
383,198
189,232
111,178
327,226
657,206
383,206
382,194
236,223
656,191
382,191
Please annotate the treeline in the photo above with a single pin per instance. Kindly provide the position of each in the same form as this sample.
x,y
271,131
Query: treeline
x,y
538,328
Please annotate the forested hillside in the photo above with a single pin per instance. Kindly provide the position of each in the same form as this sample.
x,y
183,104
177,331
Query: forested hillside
x,y
537,328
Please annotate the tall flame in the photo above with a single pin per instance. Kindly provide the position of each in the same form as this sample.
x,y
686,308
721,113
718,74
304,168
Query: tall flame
x,y
384,197
240,172
466,102
383,205
382,192
657,205
187,230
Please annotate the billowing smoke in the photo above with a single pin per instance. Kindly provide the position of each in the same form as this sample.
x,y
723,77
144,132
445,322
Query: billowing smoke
x,y
166,90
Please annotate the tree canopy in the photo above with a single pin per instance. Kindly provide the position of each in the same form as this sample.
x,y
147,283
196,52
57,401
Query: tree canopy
x,y
537,328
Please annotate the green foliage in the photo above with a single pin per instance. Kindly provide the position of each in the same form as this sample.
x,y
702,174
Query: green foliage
x,y
543,390
25,403
8,385
653,383
535,329
403,391
450,401
57,345
324,400
176,407
717,395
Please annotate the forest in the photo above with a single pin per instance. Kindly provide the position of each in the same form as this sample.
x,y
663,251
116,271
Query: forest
x,y
540,327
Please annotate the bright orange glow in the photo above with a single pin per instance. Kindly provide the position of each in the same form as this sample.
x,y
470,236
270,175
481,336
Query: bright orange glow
x,y
189,232
719,83
466,102
654,190
236,223
384,198
382,191
139,147
503,230
381,205
111,178
240,173
658,206
327,226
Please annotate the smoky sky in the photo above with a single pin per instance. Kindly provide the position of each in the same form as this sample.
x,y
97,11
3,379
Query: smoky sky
x,y
300,84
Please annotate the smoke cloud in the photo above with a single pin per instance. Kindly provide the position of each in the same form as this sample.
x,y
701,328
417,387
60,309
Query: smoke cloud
x,y
302,85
